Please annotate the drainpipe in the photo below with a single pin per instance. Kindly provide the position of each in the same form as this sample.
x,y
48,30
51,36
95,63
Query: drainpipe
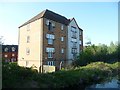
x,y
60,64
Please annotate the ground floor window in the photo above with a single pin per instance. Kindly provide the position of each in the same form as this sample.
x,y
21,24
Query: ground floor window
x,y
51,63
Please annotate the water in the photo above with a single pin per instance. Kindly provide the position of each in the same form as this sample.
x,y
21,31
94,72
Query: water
x,y
114,83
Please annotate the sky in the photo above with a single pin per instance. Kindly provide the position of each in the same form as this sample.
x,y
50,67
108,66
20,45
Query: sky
x,y
99,20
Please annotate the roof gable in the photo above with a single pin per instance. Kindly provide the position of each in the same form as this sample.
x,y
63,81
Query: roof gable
x,y
75,23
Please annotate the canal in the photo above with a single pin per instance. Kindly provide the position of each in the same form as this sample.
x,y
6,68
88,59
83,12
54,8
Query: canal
x,y
113,84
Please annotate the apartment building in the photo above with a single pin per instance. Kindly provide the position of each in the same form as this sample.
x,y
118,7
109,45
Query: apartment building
x,y
10,53
49,39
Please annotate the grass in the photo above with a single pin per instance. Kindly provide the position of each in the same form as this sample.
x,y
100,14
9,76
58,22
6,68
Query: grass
x,y
15,76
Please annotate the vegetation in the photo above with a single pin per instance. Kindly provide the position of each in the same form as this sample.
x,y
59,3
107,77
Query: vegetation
x,y
15,76
94,64
101,52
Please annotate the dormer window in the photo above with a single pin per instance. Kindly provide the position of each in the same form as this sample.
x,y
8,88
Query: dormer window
x,y
6,49
13,49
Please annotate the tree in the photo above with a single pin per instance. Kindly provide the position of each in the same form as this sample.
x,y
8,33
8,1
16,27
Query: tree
x,y
1,40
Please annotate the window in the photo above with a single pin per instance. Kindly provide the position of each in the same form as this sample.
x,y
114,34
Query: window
x,y
5,56
47,22
28,39
74,51
13,55
50,41
80,32
62,27
80,42
62,50
50,26
51,63
73,40
6,50
27,51
13,49
50,52
73,32
27,62
62,38
28,27
50,38
74,45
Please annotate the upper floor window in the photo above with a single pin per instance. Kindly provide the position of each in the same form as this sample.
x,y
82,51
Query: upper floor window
x,y
80,42
28,39
62,27
51,25
27,51
6,49
13,49
74,45
28,27
50,52
50,41
73,32
62,50
74,51
74,40
50,38
80,32
62,38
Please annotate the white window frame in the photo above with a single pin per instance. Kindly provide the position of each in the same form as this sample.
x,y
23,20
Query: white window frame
x,y
47,22
62,39
6,49
13,54
27,51
50,63
62,26
6,55
50,41
28,39
62,50
50,54
80,42
13,49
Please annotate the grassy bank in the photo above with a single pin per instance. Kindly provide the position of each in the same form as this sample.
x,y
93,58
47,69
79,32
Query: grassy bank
x,y
15,76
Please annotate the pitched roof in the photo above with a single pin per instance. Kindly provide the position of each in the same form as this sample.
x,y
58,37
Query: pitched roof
x,y
49,15
76,23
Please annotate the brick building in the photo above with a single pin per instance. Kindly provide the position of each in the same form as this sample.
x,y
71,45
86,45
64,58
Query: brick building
x,y
10,53
49,39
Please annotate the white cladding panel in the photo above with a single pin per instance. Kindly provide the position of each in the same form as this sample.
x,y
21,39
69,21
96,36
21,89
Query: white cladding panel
x,y
71,40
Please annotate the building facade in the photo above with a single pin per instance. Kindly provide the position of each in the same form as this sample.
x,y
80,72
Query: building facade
x,y
9,53
46,40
